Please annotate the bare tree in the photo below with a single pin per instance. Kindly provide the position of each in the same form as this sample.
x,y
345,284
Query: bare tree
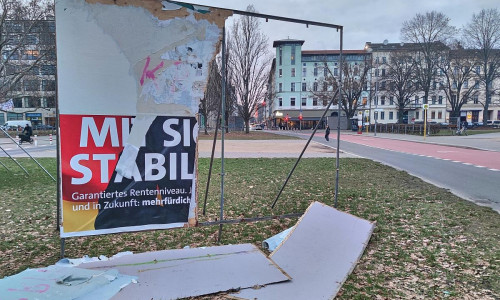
x,y
26,41
483,34
458,71
213,94
400,80
354,82
429,32
247,64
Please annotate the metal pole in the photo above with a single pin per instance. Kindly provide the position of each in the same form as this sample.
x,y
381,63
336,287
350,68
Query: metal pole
x,y
376,105
212,157
5,166
337,161
62,247
28,155
223,126
304,150
15,161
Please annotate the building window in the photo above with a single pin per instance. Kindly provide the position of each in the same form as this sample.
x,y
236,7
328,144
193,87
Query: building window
x,y
325,71
382,115
292,86
292,55
434,98
315,101
417,115
391,115
382,101
466,84
31,85
384,59
433,115
280,102
376,72
336,72
293,72
48,70
376,60
33,102
315,69
434,85
382,85
280,73
315,86
391,100
375,101
440,114
280,55
292,101
453,98
416,99
476,85
280,87
325,87
475,98
18,102
48,85
383,72
304,101
304,86
478,69
440,100
304,72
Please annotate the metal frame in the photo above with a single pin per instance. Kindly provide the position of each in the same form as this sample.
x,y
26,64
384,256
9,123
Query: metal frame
x,y
223,125
338,92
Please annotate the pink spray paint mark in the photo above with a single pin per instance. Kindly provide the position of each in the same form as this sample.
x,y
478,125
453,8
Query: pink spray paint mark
x,y
39,288
149,73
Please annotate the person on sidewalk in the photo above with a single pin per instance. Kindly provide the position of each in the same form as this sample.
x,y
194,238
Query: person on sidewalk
x,y
327,133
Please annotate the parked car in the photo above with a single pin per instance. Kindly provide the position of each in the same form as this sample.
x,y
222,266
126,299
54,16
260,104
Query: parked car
x,y
255,127
496,124
489,123
477,124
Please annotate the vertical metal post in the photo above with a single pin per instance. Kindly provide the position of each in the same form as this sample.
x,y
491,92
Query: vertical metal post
x,y
223,127
337,162
62,247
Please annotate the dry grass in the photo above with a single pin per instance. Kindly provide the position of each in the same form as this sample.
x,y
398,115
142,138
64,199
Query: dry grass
x,y
428,243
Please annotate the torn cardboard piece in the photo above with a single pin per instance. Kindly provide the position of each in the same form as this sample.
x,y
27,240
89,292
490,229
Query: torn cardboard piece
x,y
55,282
319,253
172,274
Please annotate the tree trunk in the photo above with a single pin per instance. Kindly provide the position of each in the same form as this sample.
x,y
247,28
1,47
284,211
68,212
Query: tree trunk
x,y
486,104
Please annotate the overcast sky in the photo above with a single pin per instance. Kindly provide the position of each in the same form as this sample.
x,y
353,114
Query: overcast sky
x,y
363,20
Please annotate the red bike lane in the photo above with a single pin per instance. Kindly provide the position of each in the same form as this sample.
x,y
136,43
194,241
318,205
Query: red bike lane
x,y
478,158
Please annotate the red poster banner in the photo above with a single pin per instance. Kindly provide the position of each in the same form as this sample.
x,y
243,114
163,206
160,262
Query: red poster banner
x,y
159,194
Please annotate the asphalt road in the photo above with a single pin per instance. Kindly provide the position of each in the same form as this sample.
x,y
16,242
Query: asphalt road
x,y
471,174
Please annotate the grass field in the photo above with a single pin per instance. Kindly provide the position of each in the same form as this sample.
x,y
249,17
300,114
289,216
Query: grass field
x,y
427,243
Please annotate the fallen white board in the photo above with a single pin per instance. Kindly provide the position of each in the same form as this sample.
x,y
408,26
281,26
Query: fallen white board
x,y
319,253
172,274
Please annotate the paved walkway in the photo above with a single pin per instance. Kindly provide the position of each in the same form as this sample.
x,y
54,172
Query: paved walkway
x,y
487,141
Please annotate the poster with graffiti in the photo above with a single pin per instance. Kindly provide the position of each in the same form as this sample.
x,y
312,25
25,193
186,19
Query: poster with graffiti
x,y
130,78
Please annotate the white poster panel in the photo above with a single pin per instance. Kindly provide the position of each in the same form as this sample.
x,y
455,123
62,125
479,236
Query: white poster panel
x,y
130,77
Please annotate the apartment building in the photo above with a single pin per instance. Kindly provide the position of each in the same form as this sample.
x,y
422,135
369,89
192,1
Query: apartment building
x,y
34,96
297,80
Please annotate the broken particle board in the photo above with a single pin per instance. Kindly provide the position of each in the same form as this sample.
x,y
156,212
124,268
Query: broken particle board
x,y
172,274
319,253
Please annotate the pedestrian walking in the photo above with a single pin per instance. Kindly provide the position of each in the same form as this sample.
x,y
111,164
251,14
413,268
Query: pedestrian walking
x,y
327,133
